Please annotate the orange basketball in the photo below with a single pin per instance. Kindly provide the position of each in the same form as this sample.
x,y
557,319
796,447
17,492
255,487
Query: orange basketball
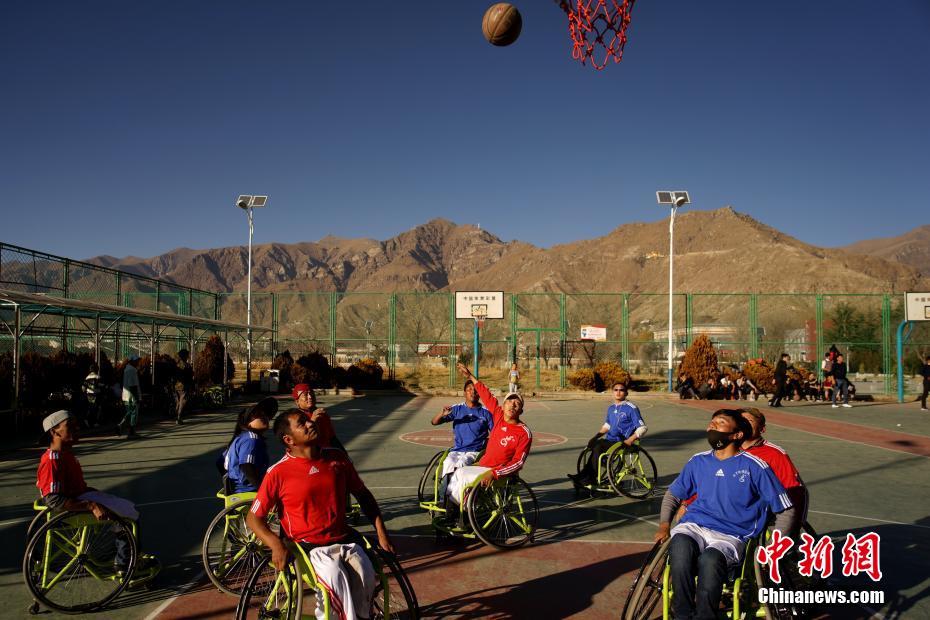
x,y
501,24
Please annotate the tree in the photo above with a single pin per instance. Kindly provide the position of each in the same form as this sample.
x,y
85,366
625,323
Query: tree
x,y
700,361
208,364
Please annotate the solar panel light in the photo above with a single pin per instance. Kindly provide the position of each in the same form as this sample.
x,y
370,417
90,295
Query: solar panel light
x,y
246,201
677,198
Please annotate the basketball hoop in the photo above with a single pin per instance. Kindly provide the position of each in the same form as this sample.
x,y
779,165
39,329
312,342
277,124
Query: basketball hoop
x,y
598,29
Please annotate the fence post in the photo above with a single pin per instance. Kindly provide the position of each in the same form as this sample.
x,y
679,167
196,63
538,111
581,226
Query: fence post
x,y
886,342
753,326
332,328
562,334
625,330
453,337
17,354
689,320
818,318
157,295
392,336
274,326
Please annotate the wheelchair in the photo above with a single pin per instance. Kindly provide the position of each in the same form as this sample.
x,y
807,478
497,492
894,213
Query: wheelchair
x,y
291,593
71,560
652,587
502,515
230,550
623,470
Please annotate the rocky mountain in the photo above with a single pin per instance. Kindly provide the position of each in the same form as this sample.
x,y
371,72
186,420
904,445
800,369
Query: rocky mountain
x,y
912,248
715,251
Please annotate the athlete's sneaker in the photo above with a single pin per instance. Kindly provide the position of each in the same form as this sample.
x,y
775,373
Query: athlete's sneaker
x,y
924,409
847,405
835,406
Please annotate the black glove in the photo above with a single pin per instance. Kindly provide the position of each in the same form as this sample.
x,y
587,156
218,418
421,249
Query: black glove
x,y
593,441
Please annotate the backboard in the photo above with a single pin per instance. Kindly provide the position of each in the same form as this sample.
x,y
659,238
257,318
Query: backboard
x,y
917,306
472,304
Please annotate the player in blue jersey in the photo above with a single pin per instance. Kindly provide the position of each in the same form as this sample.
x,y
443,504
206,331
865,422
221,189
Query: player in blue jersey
x,y
736,491
471,424
245,459
623,422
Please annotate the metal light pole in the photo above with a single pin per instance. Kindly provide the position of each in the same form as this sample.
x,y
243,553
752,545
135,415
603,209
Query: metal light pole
x,y
675,200
247,203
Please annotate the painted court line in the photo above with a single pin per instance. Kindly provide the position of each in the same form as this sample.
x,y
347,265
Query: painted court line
x,y
838,514
187,587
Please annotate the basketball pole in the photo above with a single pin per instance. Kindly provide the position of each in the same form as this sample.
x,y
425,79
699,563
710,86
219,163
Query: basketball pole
x,y
476,345
900,350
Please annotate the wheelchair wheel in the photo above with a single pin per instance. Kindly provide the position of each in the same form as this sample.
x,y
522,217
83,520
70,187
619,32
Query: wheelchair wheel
x,y
37,521
397,600
582,460
632,472
230,550
646,591
503,515
71,562
270,594
424,490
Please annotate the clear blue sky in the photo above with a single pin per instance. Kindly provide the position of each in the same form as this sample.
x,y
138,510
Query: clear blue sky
x,y
130,127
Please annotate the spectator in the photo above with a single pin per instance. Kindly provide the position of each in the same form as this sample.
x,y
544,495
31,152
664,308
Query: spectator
x,y
685,387
708,389
132,396
842,384
93,392
184,384
780,381
514,379
745,388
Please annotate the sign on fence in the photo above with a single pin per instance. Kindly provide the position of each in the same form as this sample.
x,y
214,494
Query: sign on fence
x,y
594,332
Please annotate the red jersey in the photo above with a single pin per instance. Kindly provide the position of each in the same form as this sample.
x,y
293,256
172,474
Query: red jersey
x,y
59,472
780,462
309,495
508,444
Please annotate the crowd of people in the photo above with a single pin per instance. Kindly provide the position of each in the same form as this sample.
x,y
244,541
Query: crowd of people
x,y
788,384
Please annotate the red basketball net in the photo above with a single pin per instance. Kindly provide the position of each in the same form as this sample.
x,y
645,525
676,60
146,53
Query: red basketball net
x,y
598,29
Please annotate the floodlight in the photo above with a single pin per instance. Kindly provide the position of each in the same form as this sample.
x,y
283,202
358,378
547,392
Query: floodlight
x,y
243,201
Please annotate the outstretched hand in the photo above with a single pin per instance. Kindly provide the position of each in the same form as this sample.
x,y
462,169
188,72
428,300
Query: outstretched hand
x,y
463,370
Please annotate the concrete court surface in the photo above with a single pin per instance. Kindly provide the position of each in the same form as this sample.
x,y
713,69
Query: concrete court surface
x,y
864,471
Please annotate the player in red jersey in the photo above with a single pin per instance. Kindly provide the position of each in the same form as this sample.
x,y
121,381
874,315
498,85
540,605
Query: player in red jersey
x,y
791,520
508,444
307,489
305,399
60,479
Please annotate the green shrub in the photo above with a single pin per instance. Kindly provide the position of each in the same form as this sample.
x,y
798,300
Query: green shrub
x,y
365,373
583,379
312,369
606,374
700,361
761,373
208,364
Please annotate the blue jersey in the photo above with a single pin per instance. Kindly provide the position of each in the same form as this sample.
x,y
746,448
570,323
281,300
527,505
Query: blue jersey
x,y
470,427
734,496
623,420
246,448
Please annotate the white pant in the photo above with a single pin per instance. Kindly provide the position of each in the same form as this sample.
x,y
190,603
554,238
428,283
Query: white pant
x,y
463,477
731,547
346,573
454,460
122,507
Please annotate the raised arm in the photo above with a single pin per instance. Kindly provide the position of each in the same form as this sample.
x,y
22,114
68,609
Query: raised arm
x,y
490,403
439,418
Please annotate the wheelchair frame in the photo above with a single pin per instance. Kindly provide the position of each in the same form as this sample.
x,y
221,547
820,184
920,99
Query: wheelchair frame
x,y
609,469
498,507
299,572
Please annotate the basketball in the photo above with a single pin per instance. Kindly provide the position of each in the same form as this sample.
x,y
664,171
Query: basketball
x,y
501,24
